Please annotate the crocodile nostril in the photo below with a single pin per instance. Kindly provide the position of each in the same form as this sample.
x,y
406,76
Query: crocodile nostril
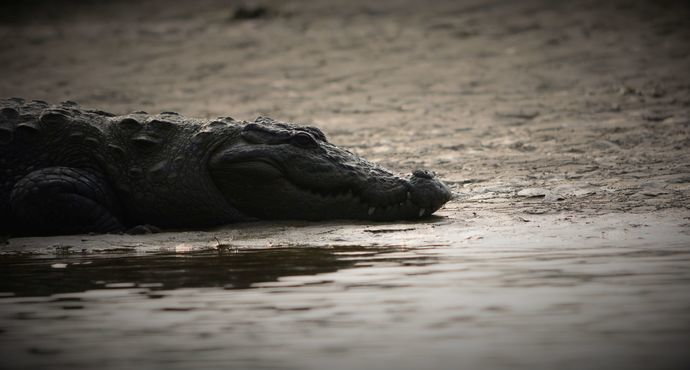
x,y
424,174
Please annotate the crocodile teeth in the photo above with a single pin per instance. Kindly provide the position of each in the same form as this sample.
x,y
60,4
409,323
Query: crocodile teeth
x,y
422,211
371,210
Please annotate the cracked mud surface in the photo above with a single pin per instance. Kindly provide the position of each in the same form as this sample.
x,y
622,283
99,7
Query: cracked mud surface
x,y
564,131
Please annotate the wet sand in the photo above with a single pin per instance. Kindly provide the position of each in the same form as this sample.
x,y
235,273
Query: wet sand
x,y
563,131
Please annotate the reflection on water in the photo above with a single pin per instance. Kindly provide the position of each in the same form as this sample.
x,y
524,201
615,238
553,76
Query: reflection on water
x,y
23,275
347,308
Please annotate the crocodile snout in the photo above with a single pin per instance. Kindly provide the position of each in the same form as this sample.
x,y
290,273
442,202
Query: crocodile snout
x,y
427,191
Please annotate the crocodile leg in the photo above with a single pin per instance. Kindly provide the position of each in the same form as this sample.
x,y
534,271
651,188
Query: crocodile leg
x,y
64,200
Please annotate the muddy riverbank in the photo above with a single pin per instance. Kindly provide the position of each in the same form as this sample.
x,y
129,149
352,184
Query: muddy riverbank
x,y
563,130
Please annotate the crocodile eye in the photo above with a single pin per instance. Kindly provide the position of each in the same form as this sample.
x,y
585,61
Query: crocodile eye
x,y
304,140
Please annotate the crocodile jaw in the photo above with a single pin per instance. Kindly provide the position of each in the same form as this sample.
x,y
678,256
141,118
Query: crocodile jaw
x,y
257,182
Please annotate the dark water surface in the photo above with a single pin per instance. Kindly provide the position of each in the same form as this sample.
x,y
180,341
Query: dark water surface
x,y
347,307
44,276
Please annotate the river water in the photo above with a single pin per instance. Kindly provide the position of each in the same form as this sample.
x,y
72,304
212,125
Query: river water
x,y
586,303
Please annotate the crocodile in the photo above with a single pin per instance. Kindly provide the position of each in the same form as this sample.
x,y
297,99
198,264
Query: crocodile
x,y
68,170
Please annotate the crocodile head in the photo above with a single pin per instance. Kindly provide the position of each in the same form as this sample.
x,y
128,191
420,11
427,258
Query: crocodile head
x,y
280,171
